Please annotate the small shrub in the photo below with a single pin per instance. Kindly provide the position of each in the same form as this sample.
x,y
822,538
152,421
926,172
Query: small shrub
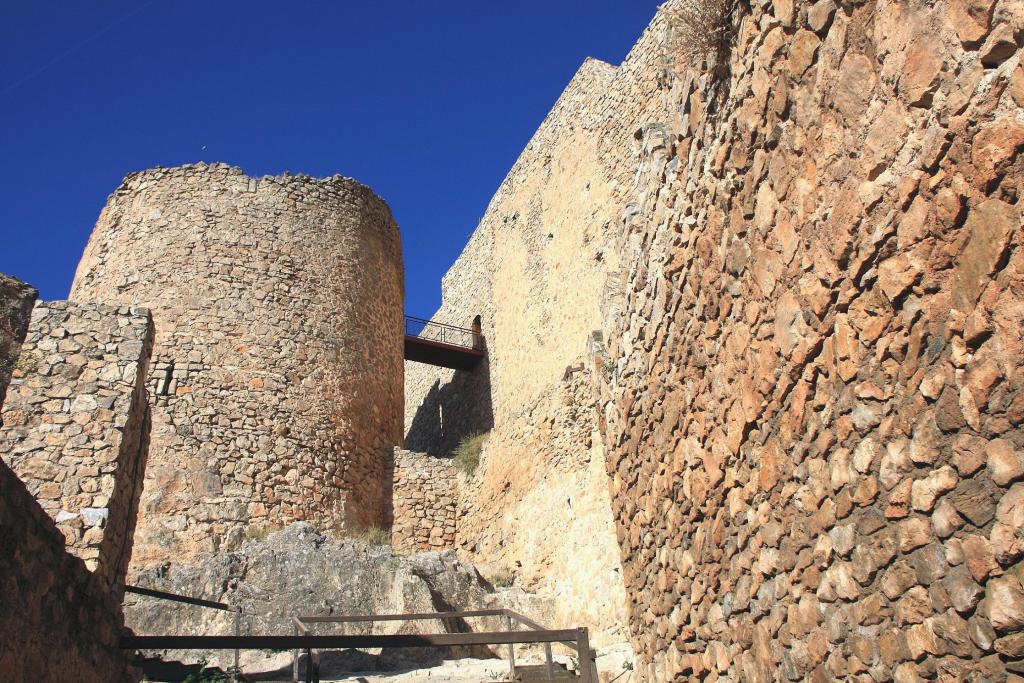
x,y
207,675
253,533
503,579
374,535
700,27
26,364
467,454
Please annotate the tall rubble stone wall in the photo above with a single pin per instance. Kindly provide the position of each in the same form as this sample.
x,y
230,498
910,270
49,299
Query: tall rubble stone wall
x,y
16,299
277,379
535,271
813,415
57,622
424,497
76,426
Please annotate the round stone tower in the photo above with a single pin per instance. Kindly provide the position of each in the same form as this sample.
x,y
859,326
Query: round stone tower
x,y
276,386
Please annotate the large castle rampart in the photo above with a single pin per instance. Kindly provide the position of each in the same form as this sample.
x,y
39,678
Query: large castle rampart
x,y
276,386
814,409
536,271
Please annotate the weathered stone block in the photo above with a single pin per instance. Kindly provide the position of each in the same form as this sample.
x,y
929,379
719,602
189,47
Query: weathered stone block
x,y
88,469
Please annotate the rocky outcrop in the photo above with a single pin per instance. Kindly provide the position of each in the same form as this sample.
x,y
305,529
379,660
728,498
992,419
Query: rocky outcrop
x,y
813,415
537,511
300,572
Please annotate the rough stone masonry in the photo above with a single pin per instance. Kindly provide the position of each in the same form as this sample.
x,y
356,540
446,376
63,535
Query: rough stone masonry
x,y
52,602
76,425
276,386
535,271
16,299
813,417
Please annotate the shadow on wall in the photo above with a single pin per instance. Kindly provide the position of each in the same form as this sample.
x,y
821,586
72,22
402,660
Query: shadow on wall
x,y
453,410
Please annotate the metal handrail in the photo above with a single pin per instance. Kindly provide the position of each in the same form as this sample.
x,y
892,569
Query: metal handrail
x,y
421,328
174,597
576,639
198,602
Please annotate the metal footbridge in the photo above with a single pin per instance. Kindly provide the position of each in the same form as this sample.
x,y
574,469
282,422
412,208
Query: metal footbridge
x,y
448,346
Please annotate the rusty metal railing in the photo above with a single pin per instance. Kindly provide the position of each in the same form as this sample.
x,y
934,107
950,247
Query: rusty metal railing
x,y
577,640
198,602
303,639
422,328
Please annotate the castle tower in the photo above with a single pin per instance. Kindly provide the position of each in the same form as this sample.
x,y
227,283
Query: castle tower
x,y
276,389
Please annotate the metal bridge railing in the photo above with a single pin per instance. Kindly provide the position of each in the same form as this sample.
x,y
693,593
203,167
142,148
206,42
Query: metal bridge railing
x,y
445,334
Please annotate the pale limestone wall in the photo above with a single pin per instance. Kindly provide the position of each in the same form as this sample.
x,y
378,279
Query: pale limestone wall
x,y
424,498
277,381
16,299
536,270
57,622
76,426
538,509
814,414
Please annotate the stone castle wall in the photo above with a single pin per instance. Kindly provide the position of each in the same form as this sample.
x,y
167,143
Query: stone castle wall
x,y
16,299
57,622
535,271
538,509
277,379
76,426
813,415
424,497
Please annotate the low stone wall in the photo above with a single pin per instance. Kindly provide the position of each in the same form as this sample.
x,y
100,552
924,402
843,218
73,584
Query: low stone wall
x,y
75,425
57,623
16,299
425,491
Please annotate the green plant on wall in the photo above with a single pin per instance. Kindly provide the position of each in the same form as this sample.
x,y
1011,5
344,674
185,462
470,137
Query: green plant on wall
x,y
503,579
467,454
27,363
374,535
207,675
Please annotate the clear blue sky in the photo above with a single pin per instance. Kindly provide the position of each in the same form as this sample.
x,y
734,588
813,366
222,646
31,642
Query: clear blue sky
x,y
429,103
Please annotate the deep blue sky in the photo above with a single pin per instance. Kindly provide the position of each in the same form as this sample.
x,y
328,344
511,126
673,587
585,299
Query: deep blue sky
x,y
429,103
